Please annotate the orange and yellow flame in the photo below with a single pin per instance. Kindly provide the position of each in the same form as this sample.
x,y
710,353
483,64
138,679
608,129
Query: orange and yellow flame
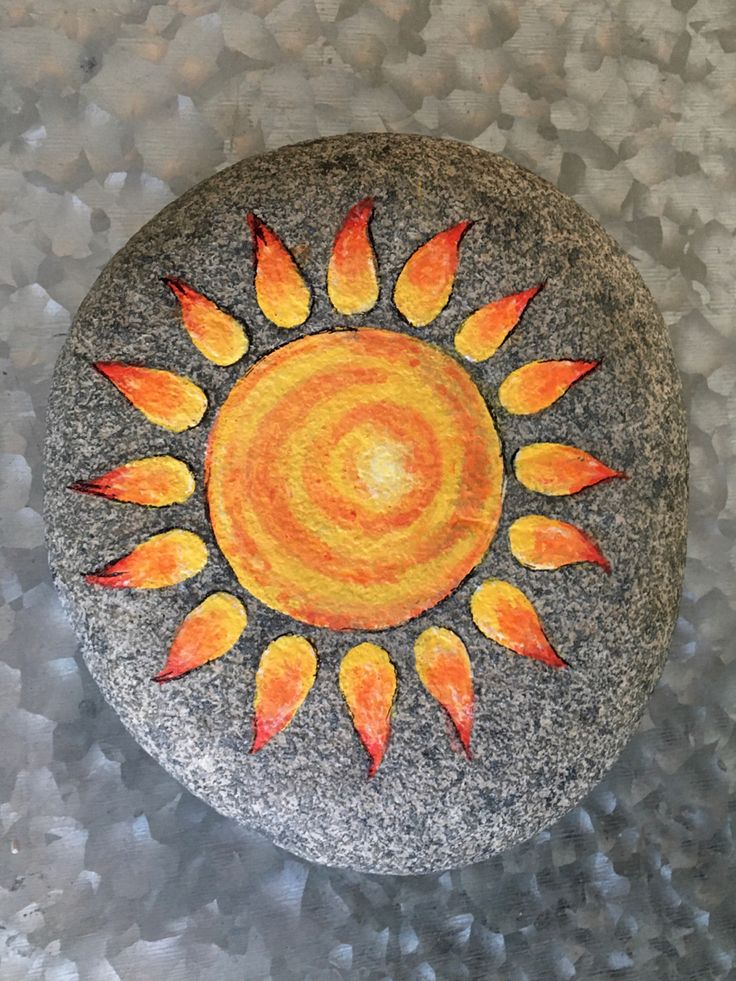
x,y
215,334
425,283
538,542
558,470
537,385
281,292
284,678
208,632
352,275
483,332
155,481
504,614
444,669
165,399
368,684
162,560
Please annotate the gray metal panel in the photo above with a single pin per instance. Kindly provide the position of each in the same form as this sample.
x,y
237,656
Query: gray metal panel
x,y
109,111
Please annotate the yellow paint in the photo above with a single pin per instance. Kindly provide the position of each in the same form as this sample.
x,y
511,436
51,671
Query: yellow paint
x,y
205,634
444,669
165,399
285,676
216,335
368,685
557,470
352,274
425,283
484,331
538,542
537,385
281,292
154,481
354,478
504,614
162,560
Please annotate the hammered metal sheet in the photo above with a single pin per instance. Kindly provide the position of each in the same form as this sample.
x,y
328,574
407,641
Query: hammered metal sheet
x,y
110,110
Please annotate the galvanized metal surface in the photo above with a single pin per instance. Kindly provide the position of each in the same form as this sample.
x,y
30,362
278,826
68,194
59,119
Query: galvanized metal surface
x,y
107,112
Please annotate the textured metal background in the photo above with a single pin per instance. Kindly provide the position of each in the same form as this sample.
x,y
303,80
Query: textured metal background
x,y
108,110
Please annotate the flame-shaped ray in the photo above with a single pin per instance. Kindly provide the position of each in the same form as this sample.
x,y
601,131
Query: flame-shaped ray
x,y
504,614
425,283
482,333
208,632
538,542
282,294
557,470
368,685
537,385
215,334
165,399
154,481
162,560
352,275
444,669
285,675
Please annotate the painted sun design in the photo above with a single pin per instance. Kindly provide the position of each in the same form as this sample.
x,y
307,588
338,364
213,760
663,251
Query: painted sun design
x,y
354,478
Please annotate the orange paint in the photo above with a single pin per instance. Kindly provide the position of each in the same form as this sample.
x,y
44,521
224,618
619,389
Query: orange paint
x,y
425,283
557,470
484,331
165,399
354,478
162,560
285,675
155,481
352,276
208,632
444,669
538,542
282,294
215,334
537,385
504,614
368,685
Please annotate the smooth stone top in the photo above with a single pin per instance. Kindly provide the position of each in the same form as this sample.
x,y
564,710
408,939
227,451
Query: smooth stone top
x,y
362,486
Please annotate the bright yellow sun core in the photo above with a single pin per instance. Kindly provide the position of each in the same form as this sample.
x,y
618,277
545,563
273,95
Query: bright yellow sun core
x,y
383,469
354,478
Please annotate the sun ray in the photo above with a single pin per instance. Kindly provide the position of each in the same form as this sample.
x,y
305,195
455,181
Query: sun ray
x,y
154,481
208,632
284,678
162,560
537,385
368,685
444,669
538,542
352,274
558,470
165,399
216,335
425,283
482,333
281,292
505,615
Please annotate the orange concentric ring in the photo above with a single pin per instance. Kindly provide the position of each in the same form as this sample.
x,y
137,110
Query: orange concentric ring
x,y
354,478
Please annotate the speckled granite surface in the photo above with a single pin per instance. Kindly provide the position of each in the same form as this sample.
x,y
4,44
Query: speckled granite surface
x,y
541,737
109,870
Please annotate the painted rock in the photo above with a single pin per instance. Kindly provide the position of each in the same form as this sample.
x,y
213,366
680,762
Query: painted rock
x,y
366,482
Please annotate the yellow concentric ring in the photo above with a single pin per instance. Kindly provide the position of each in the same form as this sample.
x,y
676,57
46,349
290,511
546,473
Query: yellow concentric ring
x,y
354,478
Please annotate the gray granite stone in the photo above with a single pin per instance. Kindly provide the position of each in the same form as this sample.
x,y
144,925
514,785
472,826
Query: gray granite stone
x,y
541,738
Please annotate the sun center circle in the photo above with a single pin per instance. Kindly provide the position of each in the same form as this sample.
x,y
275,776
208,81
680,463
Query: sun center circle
x,y
354,478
